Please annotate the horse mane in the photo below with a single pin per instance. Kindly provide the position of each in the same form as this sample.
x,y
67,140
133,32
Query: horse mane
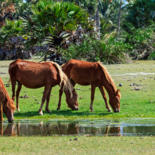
x,y
64,80
62,65
5,97
107,76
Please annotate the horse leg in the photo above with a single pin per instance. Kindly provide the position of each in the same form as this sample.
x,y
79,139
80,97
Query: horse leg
x,y
1,111
13,83
45,94
60,95
17,95
92,97
1,128
47,101
104,97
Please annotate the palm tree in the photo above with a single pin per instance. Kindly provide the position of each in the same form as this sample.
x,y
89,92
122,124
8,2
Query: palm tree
x,y
51,22
51,19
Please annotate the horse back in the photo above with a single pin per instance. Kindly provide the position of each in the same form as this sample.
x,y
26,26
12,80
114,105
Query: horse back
x,y
82,72
33,74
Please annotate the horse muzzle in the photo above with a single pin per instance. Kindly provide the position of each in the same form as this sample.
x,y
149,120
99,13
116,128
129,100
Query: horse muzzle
x,y
75,108
117,110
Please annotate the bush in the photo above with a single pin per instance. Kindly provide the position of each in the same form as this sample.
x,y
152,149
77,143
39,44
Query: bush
x,y
152,56
141,13
142,42
107,51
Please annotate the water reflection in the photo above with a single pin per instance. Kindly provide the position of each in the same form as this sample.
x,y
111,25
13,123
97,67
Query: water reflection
x,y
89,128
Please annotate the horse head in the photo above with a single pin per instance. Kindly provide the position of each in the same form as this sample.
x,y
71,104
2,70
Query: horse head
x,y
9,108
72,99
115,101
71,95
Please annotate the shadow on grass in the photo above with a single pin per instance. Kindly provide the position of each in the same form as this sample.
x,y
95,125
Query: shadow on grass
x,y
61,113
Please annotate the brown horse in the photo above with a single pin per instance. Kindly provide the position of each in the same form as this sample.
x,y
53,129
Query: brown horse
x,y
36,75
96,75
6,103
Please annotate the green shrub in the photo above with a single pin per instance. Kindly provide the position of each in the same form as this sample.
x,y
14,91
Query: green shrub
x,y
107,51
152,56
142,42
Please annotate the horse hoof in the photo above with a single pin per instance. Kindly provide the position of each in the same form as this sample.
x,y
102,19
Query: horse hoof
x,y
18,109
91,110
40,113
58,109
109,110
48,111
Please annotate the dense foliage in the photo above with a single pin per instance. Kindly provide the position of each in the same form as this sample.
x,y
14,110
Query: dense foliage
x,y
104,30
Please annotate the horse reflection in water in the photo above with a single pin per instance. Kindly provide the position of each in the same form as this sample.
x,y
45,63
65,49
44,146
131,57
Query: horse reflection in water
x,y
50,129
11,129
112,131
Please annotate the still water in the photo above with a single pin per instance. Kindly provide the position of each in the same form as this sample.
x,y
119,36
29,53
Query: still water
x,y
128,127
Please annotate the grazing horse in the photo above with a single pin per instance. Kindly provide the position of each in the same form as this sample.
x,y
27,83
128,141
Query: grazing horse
x,y
96,75
39,74
6,103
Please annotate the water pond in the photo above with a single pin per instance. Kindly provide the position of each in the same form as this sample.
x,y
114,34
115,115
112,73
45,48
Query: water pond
x,y
127,127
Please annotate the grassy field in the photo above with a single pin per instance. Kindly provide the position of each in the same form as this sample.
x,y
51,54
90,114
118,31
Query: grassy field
x,y
138,99
81,145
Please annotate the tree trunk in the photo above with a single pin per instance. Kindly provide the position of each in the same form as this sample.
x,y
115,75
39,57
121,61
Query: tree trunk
x,y
97,22
119,19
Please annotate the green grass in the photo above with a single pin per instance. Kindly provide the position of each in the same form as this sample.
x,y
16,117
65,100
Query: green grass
x,y
80,145
134,103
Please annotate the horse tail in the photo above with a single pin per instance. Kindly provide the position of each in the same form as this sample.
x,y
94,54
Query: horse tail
x,y
64,80
13,69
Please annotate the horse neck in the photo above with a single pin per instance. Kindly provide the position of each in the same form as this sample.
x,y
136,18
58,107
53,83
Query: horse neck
x,y
110,89
5,96
109,85
68,89
67,93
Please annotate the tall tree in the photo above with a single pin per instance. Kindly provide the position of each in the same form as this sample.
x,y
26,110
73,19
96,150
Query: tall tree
x,y
141,12
119,18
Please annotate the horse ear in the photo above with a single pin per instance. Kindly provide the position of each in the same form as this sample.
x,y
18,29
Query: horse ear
x,y
118,93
